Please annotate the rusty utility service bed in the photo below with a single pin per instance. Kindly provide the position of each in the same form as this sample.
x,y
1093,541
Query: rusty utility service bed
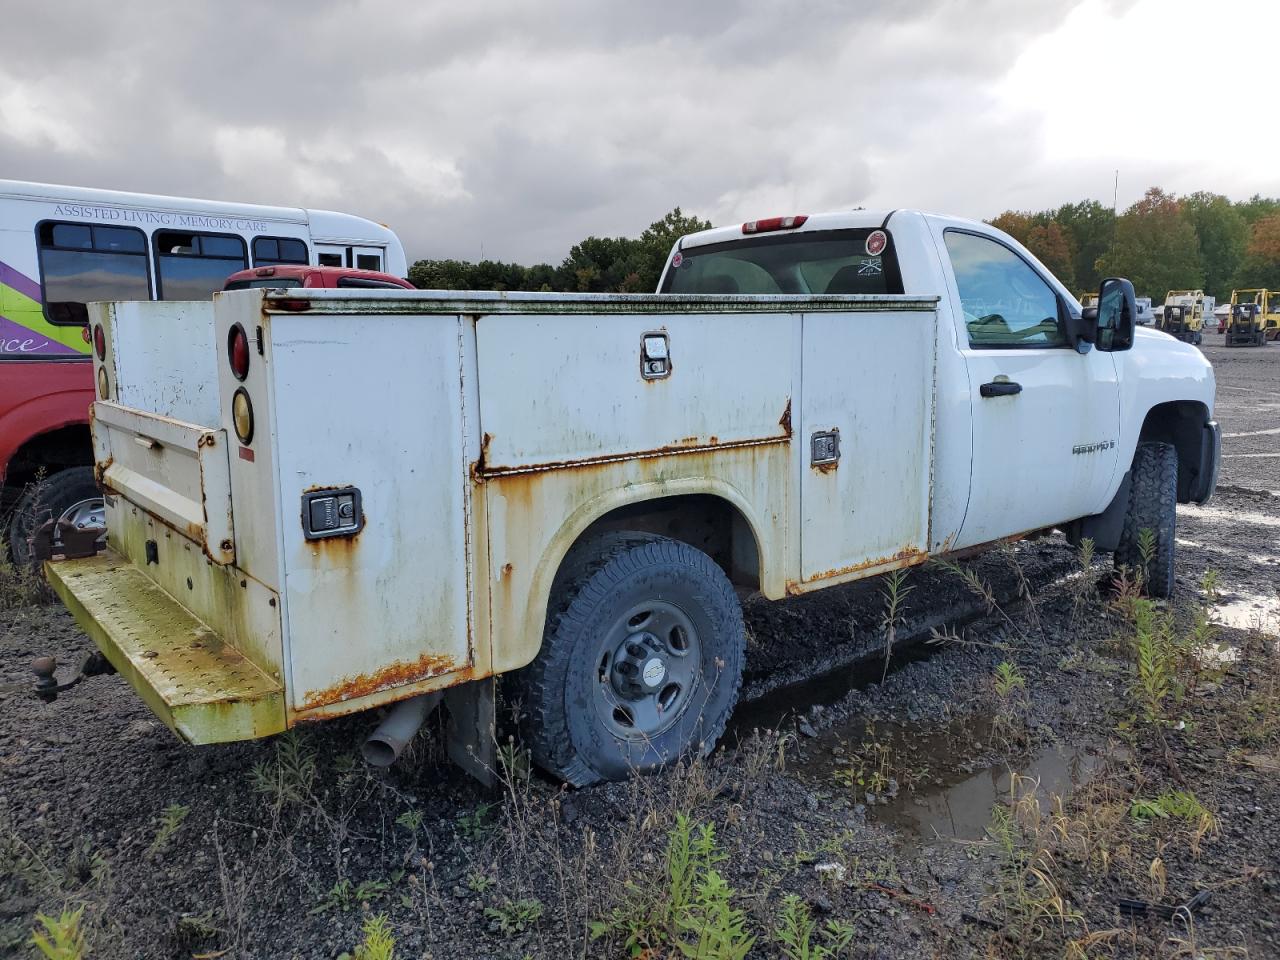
x,y
325,501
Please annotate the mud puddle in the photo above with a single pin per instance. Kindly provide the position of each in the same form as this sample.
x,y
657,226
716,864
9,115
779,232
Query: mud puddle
x,y
941,783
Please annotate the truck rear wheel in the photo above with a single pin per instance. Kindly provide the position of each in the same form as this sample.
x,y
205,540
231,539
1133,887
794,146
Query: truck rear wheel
x,y
1153,506
71,495
641,659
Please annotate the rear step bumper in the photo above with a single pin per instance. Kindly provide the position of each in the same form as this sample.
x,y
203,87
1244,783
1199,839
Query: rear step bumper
x,y
203,688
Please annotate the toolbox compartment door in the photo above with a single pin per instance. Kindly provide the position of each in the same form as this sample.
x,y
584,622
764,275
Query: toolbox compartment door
x,y
381,606
177,472
868,421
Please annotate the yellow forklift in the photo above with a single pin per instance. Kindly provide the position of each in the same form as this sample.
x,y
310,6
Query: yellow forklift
x,y
1182,315
1254,318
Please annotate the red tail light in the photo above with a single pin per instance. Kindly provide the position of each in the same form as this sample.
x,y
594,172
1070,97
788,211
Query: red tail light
x,y
291,304
770,224
99,342
238,351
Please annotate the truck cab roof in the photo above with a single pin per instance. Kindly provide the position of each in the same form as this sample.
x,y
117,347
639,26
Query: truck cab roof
x,y
833,220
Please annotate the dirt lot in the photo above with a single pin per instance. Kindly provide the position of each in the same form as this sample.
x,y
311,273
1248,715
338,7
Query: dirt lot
x,y
998,791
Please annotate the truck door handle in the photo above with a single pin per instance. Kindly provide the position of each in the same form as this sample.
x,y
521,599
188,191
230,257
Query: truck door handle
x,y
1000,388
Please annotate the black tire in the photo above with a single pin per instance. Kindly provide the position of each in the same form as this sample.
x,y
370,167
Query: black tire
x,y
1153,505
570,685
41,501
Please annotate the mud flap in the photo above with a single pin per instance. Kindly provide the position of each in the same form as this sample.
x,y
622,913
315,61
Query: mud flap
x,y
1104,528
471,732
1206,478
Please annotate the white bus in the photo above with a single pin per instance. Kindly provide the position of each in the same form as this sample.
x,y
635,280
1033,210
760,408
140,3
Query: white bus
x,y
63,247
72,245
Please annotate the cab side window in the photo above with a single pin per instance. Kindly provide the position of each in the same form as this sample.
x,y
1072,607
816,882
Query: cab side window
x,y
1006,303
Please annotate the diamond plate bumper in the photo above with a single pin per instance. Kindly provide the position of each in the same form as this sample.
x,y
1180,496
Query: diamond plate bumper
x,y
202,687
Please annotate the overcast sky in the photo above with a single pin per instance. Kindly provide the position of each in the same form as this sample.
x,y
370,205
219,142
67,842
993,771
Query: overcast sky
x,y
514,128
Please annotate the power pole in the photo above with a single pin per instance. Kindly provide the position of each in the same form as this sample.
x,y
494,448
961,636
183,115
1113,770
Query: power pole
x,y
1115,214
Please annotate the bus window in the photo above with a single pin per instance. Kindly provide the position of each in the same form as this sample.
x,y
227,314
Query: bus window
x,y
368,261
81,262
191,266
330,259
269,251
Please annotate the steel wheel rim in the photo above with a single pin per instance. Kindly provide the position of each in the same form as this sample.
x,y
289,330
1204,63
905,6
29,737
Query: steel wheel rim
x,y
87,514
648,670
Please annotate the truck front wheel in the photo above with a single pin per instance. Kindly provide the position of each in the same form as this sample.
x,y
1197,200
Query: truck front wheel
x,y
70,495
641,659
1147,540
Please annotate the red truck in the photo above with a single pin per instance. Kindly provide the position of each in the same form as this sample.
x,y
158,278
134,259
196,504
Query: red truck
x,y
302,276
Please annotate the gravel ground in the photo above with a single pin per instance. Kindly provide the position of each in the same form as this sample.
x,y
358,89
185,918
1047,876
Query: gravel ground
x,y
895,802
1248,407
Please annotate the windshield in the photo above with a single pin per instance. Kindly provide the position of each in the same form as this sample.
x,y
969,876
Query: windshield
x,y
824,261
276,282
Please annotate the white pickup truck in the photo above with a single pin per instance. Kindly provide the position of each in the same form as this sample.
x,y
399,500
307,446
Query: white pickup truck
x,y
321,502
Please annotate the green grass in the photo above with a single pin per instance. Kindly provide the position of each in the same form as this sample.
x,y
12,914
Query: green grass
x,y
800,937
378,942
171,818
691,913
515,916
61,938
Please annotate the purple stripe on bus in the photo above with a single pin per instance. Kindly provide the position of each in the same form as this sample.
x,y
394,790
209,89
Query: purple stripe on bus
x,y
19,341
19,281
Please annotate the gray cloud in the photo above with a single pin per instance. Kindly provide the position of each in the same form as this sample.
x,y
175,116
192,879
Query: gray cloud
x,y
520,128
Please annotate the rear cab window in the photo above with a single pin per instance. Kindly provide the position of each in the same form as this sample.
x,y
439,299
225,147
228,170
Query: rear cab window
x,y
854,261
368,283
272,282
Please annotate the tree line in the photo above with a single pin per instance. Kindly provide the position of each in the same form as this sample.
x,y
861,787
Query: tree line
x,y
595,265
1201,241
1163,242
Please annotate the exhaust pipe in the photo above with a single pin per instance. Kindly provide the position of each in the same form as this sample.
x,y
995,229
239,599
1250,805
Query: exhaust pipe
x,y
396,729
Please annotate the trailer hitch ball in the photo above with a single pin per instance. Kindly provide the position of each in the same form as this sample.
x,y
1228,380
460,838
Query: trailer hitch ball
x,y
47,686
46,682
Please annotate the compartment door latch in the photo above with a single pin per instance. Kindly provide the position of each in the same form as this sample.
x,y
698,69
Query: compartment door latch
x,y
332,512
655,356
824,447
